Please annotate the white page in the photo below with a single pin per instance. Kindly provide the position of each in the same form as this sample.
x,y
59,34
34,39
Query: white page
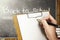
x,y
29,28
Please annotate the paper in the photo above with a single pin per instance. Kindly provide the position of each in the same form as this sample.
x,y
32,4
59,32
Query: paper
x,y
29,28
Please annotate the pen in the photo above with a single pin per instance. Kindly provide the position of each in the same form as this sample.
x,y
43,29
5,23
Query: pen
x,y
55,25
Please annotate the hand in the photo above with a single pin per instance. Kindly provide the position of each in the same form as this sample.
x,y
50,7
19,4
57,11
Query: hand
x,y
50,30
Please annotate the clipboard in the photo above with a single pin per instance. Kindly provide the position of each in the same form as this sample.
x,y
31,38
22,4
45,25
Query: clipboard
x,y
18,27
19,37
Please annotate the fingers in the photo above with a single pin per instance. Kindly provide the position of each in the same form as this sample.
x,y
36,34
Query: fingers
x,y
45,24
52,20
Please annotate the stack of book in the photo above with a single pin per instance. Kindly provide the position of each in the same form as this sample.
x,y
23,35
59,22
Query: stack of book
x,y
58,32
